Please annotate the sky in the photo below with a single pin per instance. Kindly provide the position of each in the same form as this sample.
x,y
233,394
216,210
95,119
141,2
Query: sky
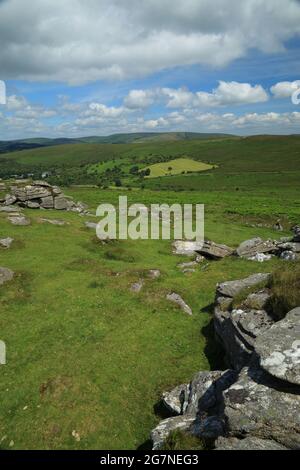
x,y
97,67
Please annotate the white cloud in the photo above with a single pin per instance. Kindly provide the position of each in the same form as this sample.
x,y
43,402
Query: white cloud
x,y
139,99
285,89
78,41
227,93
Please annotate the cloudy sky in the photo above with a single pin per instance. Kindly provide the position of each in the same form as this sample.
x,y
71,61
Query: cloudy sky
x,y
97,67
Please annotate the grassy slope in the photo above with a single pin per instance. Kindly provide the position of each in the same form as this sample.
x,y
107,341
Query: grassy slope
x,y
86,354
83,351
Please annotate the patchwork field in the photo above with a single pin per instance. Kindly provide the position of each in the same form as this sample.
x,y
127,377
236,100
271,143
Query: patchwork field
x,y
177,166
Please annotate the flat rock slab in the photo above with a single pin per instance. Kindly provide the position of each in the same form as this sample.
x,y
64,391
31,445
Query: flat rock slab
x,y
54,221
250,248
251,322
5,275
233,288
9,209
6,242
90,225
19,220
176,299
279,348
188,248
257,405
249,443
215,250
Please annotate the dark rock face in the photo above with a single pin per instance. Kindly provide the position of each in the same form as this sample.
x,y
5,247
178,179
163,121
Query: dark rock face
x,y
41,195
255,405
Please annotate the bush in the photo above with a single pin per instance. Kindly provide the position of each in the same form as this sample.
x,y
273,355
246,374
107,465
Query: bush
x,y
179,440
285,287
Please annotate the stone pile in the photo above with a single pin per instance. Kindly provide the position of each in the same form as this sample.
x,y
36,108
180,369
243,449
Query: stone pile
x,y
41,195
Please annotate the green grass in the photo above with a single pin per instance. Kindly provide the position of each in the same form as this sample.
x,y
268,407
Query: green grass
x,y
84,352
177,166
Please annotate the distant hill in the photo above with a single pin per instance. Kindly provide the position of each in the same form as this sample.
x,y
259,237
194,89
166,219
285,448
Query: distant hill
x,y
139,137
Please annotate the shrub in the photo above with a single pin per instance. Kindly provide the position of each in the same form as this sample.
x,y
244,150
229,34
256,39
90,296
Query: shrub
x,y
285,287
179,440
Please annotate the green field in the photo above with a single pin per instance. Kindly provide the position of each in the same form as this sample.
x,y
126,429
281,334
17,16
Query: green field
x,y
86,354
177,166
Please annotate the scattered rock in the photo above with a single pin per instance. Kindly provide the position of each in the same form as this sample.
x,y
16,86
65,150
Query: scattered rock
x,y
5,275
260,257
233,288
19,220
137,286
213,250
53,221
289,256
76,435
279,348
154,273
250,248
175,298
188,248
190,264
91,225
9,209
6,242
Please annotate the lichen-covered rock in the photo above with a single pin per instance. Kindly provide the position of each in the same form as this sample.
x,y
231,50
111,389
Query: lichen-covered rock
x,y
279,348
165,427
258,405
250,248
206,389
47,202
289,255
215,250
249,443
60,203
5,275
185,247
176,299
176,400
233,288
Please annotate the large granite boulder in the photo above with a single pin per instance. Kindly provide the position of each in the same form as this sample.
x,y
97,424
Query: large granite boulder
x,y
279,348
41,195
250,248
259,405
248,443
5,275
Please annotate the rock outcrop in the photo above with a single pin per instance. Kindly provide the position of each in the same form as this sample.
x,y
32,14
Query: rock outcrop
x,y
254,404
41,195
